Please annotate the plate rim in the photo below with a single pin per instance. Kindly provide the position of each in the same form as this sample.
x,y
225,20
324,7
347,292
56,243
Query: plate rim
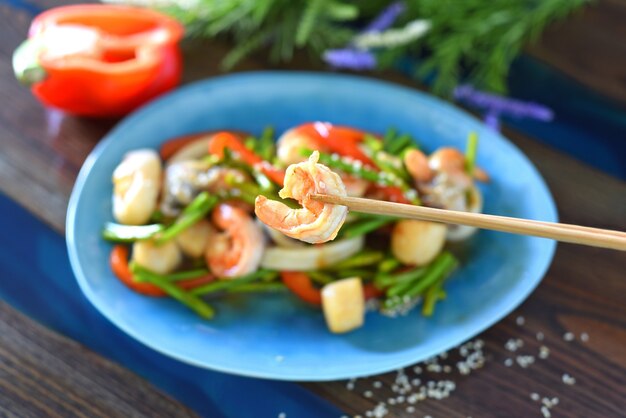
x,y
321,375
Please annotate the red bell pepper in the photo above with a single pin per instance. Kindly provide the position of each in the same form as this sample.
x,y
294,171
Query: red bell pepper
x,y
300,284
119,264
229,140
340,139
99,60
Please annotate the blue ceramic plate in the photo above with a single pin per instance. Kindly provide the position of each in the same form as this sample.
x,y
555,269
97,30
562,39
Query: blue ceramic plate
x,y
276,336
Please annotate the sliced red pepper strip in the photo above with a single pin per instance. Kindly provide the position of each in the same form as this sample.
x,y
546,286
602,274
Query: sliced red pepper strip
x,y
228,140
300,284
340,139
371,292
391,193
119,265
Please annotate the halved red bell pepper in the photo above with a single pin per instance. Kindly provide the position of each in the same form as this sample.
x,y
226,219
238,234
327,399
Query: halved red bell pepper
x,y
99,60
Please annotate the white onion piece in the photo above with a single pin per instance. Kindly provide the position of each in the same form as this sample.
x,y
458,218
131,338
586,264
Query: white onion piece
x,y
311,257
458,233
192,151
281,239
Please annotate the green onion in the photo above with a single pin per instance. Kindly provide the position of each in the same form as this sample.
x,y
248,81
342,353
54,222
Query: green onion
x,y
227,284
433,294
373,143
250,143
470,153
186,298
362,273
129,233
389,137
196,210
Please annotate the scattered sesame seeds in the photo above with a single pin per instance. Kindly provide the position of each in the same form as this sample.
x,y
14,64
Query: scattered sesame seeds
x,y
514,344
368,394
377,384
540,336
508,362
584,337
534,396
545,412
568,380
525,361
568,336
520,320
544,352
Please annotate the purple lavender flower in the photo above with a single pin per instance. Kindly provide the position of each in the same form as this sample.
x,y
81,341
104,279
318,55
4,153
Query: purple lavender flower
x,y
499,105
491,120
386,18
352,59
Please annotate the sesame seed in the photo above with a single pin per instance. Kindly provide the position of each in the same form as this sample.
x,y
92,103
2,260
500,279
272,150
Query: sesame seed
x,y
417,370
546,412
525,361
568,380
555,401
377,384
350,386
584,337
520,320
544,352
368,394
508,362
416,382
410,409
534,396
568,336
427,416
391,401
547,402
400,399
540,336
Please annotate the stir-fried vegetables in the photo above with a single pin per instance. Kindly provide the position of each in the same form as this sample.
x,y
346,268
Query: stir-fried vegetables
x,y
194,236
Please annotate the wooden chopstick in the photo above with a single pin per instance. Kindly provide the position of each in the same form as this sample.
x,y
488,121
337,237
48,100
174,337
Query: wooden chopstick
x,y
576,234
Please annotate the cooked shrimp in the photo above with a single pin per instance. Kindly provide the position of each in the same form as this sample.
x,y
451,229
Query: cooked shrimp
x,y
417,165
316,222
290,144
238,250
136,185
447,159
161,259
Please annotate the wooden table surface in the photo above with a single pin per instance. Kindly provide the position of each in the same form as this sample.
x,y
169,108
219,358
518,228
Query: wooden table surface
x,y
583,292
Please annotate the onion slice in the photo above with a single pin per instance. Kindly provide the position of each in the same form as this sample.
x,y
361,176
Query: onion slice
x,y
192,151
311,257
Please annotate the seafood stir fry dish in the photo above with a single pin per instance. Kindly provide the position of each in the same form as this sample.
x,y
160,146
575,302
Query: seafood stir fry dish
x,y
214,214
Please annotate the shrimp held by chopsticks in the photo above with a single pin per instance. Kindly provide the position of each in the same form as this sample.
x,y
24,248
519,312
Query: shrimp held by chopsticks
x,y
315,222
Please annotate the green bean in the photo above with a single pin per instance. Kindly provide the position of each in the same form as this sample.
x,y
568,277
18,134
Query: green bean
x,y
233,282
362,273
320,277
186,275
437,270
388,265
390,135
470,153
365,227
130,233
373,143
257,287
266,144
430,299
186,298
197,209
250,143
405,281
399,144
